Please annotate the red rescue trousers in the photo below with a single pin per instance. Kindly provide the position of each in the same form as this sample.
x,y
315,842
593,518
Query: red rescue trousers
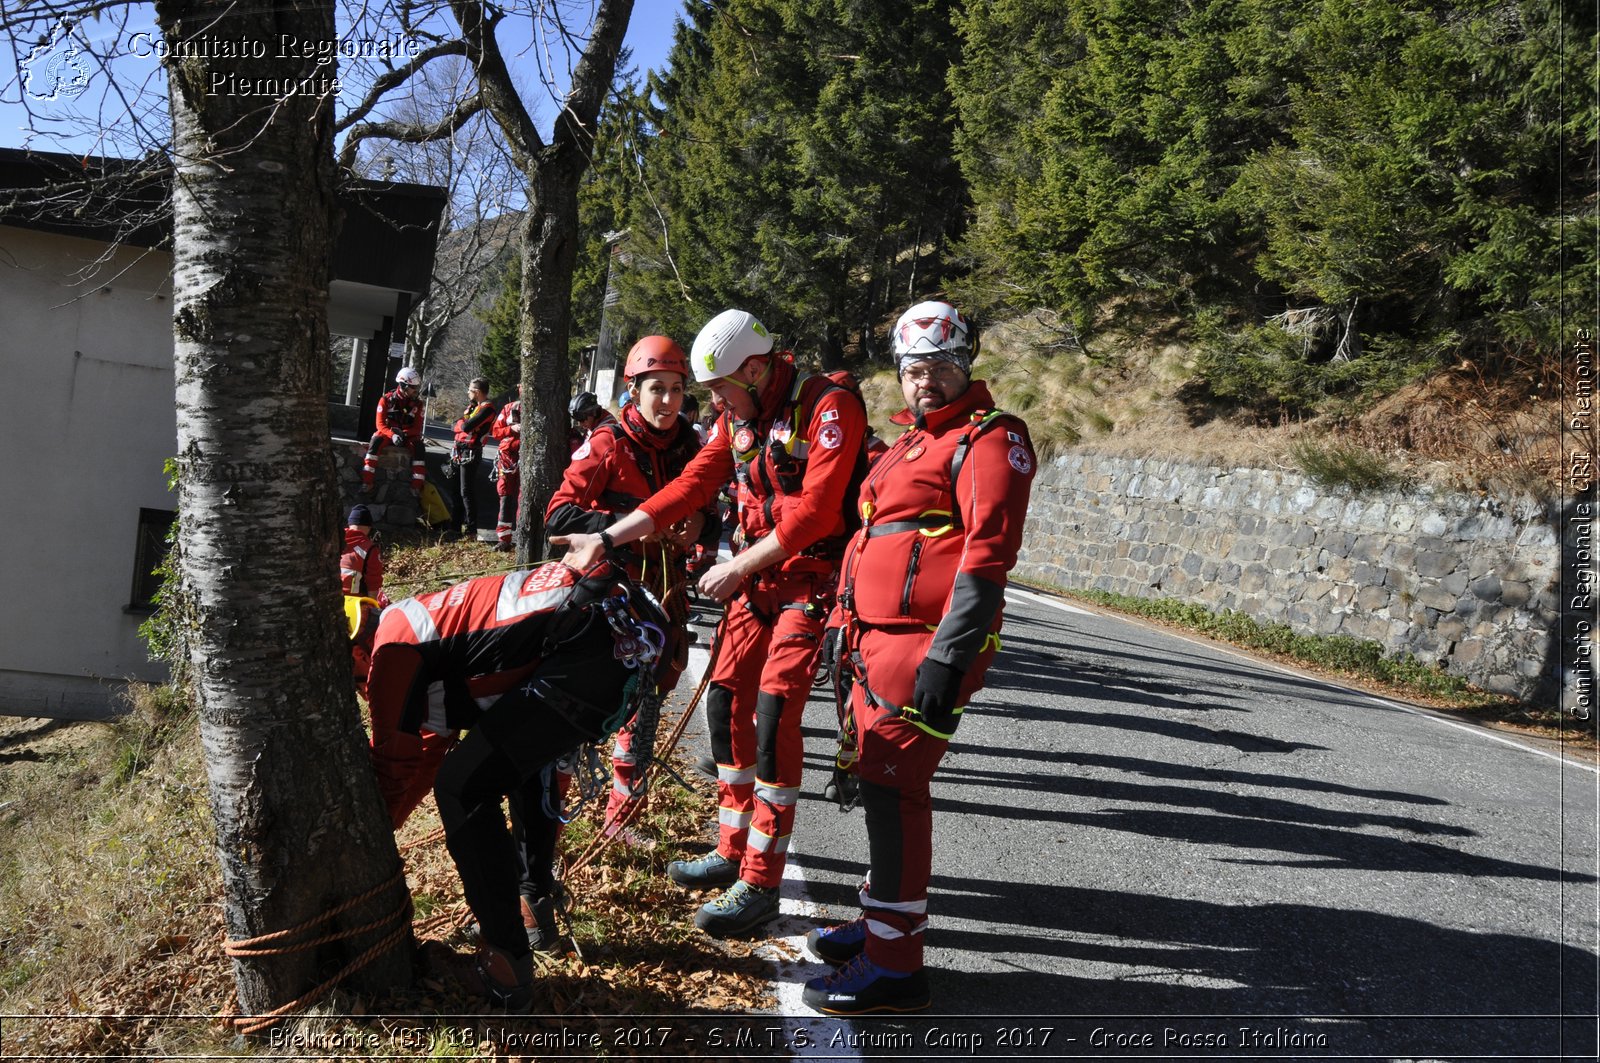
x,y
896,765
508,488
754,701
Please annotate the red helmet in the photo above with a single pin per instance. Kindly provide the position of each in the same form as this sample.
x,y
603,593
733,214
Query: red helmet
x,y
655,354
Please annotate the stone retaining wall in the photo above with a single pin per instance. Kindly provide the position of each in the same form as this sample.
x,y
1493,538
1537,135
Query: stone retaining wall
x,y
393,505
1464,581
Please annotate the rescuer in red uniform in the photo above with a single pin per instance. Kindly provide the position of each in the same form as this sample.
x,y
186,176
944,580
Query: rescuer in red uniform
x,y
619,465
794,445
533,663
507,433
921,593
399,425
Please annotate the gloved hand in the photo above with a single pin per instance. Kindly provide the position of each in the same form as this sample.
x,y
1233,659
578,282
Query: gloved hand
x,y
830,646
398,439
935,694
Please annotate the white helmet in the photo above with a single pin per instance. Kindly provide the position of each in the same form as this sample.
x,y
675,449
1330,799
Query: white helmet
x,y
725,342
408,375
934,331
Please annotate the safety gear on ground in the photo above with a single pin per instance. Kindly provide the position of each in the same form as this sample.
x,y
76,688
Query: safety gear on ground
x,y
724,343
583,404
409,377
655,354
934,697
712,869
740,910
934,331
861,987
838,944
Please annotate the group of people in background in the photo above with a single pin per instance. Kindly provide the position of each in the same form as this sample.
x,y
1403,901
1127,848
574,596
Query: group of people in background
x,y
889,559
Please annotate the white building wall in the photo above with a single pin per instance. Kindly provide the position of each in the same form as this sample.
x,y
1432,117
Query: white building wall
x,y
86,415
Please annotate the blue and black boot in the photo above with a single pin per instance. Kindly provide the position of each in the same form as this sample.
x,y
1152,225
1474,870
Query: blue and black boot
x,y
861,987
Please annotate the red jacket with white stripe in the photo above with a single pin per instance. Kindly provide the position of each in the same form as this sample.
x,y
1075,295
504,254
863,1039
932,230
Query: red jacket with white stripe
x,y
794,462
476,640
361,565
933,551
399,412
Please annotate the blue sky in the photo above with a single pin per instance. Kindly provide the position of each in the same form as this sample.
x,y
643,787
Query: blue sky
x,y
100,118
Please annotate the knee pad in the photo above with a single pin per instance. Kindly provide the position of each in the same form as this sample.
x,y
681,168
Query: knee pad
x,y
719,721
884,836
769,711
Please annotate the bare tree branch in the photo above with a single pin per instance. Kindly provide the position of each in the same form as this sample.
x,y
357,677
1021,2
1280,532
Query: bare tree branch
x,y
409,132
393,79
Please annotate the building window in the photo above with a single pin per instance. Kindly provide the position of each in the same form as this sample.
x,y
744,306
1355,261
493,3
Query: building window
x,y
149,550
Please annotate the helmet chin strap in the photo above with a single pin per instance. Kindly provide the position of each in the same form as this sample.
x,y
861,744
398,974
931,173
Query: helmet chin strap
x,y
754,388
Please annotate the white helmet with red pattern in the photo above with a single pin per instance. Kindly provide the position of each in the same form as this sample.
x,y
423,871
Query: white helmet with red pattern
x,y
934,331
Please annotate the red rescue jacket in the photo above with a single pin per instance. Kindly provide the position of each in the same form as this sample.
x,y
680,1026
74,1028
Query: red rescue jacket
x,y
361,565
935,546
794,464
475,422
476,640
399,412
619,466
508,435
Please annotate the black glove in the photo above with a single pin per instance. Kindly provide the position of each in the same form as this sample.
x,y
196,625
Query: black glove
x,y
935,695
398,439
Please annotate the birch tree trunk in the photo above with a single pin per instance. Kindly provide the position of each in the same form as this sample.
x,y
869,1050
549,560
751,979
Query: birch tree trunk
x,y
300,826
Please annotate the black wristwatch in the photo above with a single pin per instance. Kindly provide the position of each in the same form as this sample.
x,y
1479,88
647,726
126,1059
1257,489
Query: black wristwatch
x,y
605,538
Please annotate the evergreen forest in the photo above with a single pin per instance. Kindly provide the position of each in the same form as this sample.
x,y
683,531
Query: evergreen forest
x,y
1322,199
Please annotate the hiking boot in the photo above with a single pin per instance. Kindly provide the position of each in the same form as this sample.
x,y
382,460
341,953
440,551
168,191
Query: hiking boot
x,y
706,766
712,869
838,944
539,920
502,548
861,987
738,911
506,981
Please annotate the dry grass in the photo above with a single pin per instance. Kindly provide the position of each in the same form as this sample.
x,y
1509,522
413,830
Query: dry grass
x,y
109,890
1490,423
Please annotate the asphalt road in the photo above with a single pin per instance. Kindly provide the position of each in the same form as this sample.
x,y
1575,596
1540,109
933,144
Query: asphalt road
x,y
1149,846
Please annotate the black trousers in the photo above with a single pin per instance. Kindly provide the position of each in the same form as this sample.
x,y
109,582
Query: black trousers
x,y
503,756
464,506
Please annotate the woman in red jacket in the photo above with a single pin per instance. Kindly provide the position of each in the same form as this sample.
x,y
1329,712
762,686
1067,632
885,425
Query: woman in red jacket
x,y
619,465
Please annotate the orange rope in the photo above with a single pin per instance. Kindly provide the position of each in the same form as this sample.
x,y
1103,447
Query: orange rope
x,y
257,946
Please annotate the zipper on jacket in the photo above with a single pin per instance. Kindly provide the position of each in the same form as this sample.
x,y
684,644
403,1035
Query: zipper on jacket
x,y
911,574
